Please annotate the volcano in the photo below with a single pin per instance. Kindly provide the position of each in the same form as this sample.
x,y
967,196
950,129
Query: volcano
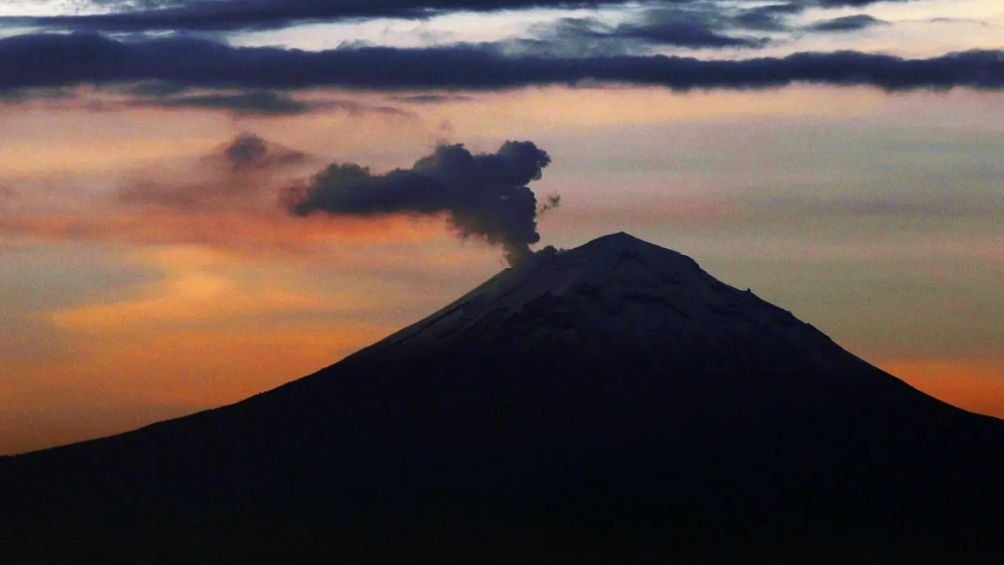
x,y
612,403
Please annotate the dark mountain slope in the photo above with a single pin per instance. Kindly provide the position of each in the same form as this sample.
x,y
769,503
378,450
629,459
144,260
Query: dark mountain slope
x,y
612,403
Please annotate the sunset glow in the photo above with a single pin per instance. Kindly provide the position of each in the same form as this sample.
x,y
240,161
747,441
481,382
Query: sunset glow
x,y
146,272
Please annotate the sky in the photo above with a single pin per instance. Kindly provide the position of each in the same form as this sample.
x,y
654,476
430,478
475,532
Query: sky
x,y
201,200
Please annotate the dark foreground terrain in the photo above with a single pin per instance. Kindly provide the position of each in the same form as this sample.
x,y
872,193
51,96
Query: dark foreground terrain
x,y
609,404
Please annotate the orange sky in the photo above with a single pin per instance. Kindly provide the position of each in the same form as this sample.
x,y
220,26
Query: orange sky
x,y
837,204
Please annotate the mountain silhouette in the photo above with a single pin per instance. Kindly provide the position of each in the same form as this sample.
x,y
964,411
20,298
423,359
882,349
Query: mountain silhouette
x,y
612,403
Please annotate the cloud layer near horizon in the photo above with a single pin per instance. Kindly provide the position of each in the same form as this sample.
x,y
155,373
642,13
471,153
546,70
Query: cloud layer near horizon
x,y
33,61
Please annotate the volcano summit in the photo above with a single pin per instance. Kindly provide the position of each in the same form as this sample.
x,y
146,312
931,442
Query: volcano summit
x,y
613,403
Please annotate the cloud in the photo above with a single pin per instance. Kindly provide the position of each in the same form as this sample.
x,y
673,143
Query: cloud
x,y
227,198
690,24
232,15
769,17
698,27
61,60
574,38
431,98
119,5
847,23
701,26
167,95
483,195
237,15
22,95
849,3
239,175
258,102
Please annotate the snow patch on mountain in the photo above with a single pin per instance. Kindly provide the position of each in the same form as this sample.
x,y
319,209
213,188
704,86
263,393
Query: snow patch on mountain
x,y
612,287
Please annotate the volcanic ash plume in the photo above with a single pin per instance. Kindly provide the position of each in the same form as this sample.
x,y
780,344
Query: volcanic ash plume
x,y
484,195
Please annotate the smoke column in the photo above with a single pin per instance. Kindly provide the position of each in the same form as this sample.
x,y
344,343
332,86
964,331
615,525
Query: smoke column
x,y
484,195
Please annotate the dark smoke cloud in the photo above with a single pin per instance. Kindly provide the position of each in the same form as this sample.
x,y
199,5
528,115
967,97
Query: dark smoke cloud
x,y
60,60
483,195
238,175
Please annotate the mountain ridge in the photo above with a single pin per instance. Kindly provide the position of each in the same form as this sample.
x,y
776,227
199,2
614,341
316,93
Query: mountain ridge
x,y
609,402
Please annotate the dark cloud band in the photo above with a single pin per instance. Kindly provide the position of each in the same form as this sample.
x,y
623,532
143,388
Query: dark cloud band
x,y
261,103
847,23
31,61
234,15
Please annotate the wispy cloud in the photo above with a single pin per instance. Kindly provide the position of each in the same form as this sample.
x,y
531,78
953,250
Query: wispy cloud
x,y
702,27
847,23
257,102
239,175
260,103
229,198
221,15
